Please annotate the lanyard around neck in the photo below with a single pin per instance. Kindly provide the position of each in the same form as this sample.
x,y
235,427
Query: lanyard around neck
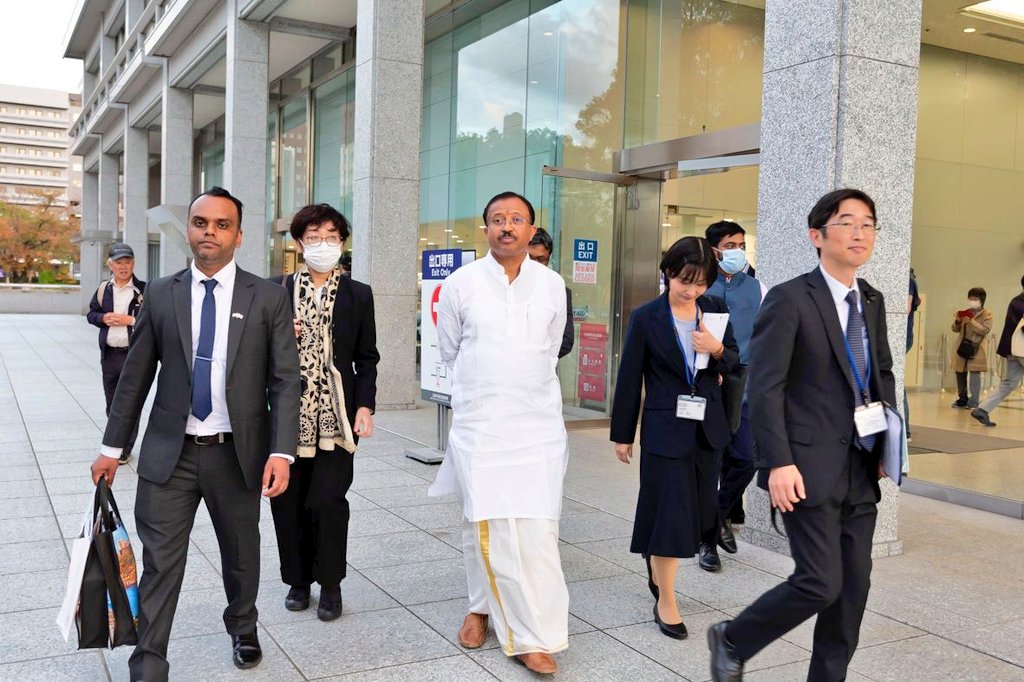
x,y
689,368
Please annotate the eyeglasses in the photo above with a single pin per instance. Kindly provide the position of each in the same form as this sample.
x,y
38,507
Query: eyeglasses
x,y
316,240
847,226
500,221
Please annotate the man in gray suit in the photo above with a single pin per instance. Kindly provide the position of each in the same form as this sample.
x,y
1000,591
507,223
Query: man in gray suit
x,y
223,426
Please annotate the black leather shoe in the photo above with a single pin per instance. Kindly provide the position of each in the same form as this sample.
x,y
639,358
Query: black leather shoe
x,y
709,560
650,579
297,599
959,404
726,666
330,603
676,631
982,416
247,651
726,538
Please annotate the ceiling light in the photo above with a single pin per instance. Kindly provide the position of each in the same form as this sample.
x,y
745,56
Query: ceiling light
x,y
970,30
1006,12
447,230
423,239
666,224
548,34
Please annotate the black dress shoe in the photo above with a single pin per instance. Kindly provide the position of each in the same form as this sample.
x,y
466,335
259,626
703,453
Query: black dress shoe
x,y
330,603
959,404
298,598
726,666
982,416
650,578
726,538
246,651
709,560
675,631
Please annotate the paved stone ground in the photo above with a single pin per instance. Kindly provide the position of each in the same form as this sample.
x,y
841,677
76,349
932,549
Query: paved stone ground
x,y
950,608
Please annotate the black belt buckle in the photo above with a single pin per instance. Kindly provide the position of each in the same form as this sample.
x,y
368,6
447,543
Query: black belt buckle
x,y
212,439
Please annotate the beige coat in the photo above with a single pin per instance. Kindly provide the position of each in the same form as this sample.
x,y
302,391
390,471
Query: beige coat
x,y
976,329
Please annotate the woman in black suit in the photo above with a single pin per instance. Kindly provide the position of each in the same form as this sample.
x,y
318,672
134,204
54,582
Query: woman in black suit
x,y
684,427
338,357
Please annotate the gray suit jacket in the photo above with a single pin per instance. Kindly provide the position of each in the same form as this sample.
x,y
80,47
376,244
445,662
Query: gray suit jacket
x,y
262,376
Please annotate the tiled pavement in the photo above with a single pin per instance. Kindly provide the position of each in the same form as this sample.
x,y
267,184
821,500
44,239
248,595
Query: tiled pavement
x,y
950,608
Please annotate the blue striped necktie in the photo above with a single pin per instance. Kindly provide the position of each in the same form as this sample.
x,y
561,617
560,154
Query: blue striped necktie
x,y
202,399
855,339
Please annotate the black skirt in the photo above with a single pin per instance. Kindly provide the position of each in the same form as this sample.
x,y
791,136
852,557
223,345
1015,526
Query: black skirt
x,y
677,508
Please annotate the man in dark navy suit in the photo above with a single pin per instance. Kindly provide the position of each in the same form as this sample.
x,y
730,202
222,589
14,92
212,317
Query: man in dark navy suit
x,y
819,356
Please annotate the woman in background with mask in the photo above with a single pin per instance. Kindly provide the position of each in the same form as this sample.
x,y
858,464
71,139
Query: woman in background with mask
x,y
337,340
973,324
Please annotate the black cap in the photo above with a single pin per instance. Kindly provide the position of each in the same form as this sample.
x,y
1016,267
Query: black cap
x,y
118,251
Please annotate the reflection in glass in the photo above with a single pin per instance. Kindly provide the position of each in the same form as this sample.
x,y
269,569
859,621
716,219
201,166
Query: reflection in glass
x,y
294,164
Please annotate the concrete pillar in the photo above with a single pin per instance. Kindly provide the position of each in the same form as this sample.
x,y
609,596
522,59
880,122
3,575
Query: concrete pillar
x,y
839,109
109,194
389,86
136,195
175,174
90,257
245,134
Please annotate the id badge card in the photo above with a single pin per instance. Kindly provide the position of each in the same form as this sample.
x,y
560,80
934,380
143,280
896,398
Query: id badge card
x,y
691,407
870,419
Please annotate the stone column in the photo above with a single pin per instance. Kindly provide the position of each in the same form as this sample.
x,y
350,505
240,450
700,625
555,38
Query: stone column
x,y
109,194
175,175
839,110
90,248
245,136
389,86
136,195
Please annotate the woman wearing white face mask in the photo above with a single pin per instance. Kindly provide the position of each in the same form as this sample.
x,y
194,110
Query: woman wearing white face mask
x,y
337,340
970,359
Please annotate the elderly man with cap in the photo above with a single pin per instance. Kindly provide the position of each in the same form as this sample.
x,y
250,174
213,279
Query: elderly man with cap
x,y
113,309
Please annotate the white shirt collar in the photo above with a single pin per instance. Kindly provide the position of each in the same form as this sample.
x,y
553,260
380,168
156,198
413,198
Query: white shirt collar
x,y
225,276
839,290
498,269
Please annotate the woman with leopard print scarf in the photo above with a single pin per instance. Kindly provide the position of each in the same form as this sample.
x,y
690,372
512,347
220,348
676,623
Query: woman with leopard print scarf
x,y
336,336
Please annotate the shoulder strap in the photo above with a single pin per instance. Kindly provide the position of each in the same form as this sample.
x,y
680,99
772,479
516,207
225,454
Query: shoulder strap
x,y
101,290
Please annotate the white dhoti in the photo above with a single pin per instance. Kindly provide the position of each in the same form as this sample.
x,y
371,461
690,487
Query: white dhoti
x,y
514,574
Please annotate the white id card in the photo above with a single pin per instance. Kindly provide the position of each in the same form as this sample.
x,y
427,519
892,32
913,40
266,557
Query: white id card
x,y
691,407
870,419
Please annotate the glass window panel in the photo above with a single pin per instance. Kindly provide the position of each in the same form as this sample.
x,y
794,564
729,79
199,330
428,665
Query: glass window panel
x,y
294,164
334,131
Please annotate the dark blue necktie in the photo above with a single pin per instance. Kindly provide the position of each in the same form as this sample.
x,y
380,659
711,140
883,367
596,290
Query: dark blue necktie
x,y
202,400
855,337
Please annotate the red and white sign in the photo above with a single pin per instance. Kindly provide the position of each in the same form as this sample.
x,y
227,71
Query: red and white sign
x,y
591,361
593,335
590,387
584,272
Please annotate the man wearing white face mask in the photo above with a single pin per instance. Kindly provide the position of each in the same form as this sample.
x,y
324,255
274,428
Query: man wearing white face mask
x,y
742,295
337,338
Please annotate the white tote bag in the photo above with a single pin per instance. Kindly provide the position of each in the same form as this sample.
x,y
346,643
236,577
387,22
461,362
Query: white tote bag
x,y
1017,342
76,570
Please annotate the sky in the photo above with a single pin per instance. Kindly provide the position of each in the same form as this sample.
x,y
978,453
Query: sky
x,y
32,45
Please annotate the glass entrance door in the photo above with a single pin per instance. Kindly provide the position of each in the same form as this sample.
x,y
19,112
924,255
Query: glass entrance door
x,y
585,214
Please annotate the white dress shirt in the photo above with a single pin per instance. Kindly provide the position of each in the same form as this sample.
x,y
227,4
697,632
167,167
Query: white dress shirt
x,y
839,293
218,421
117,336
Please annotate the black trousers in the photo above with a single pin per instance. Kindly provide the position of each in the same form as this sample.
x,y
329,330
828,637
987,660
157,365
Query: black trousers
x,y
164,514
111,364
737,468
831,545
311,519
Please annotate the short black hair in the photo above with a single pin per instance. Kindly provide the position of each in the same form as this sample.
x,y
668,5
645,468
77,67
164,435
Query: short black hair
x,y
829,204
317,214
510,195
716,232
977,292
688,259
542,238
223,194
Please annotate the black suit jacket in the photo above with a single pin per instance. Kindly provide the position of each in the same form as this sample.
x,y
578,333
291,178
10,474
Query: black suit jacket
x,y
651,360
800,384
355,341
262,378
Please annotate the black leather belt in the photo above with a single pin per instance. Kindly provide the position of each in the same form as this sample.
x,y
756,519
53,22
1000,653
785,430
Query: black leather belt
x,y
212,439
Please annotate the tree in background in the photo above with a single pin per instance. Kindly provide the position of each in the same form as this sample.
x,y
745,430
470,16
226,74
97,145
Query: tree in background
x,y
33,236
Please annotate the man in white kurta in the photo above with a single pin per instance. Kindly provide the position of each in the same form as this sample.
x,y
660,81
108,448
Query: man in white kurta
x,y
500,323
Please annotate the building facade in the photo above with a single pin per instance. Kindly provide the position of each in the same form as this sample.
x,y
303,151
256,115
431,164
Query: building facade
x,y
628,123
34,159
